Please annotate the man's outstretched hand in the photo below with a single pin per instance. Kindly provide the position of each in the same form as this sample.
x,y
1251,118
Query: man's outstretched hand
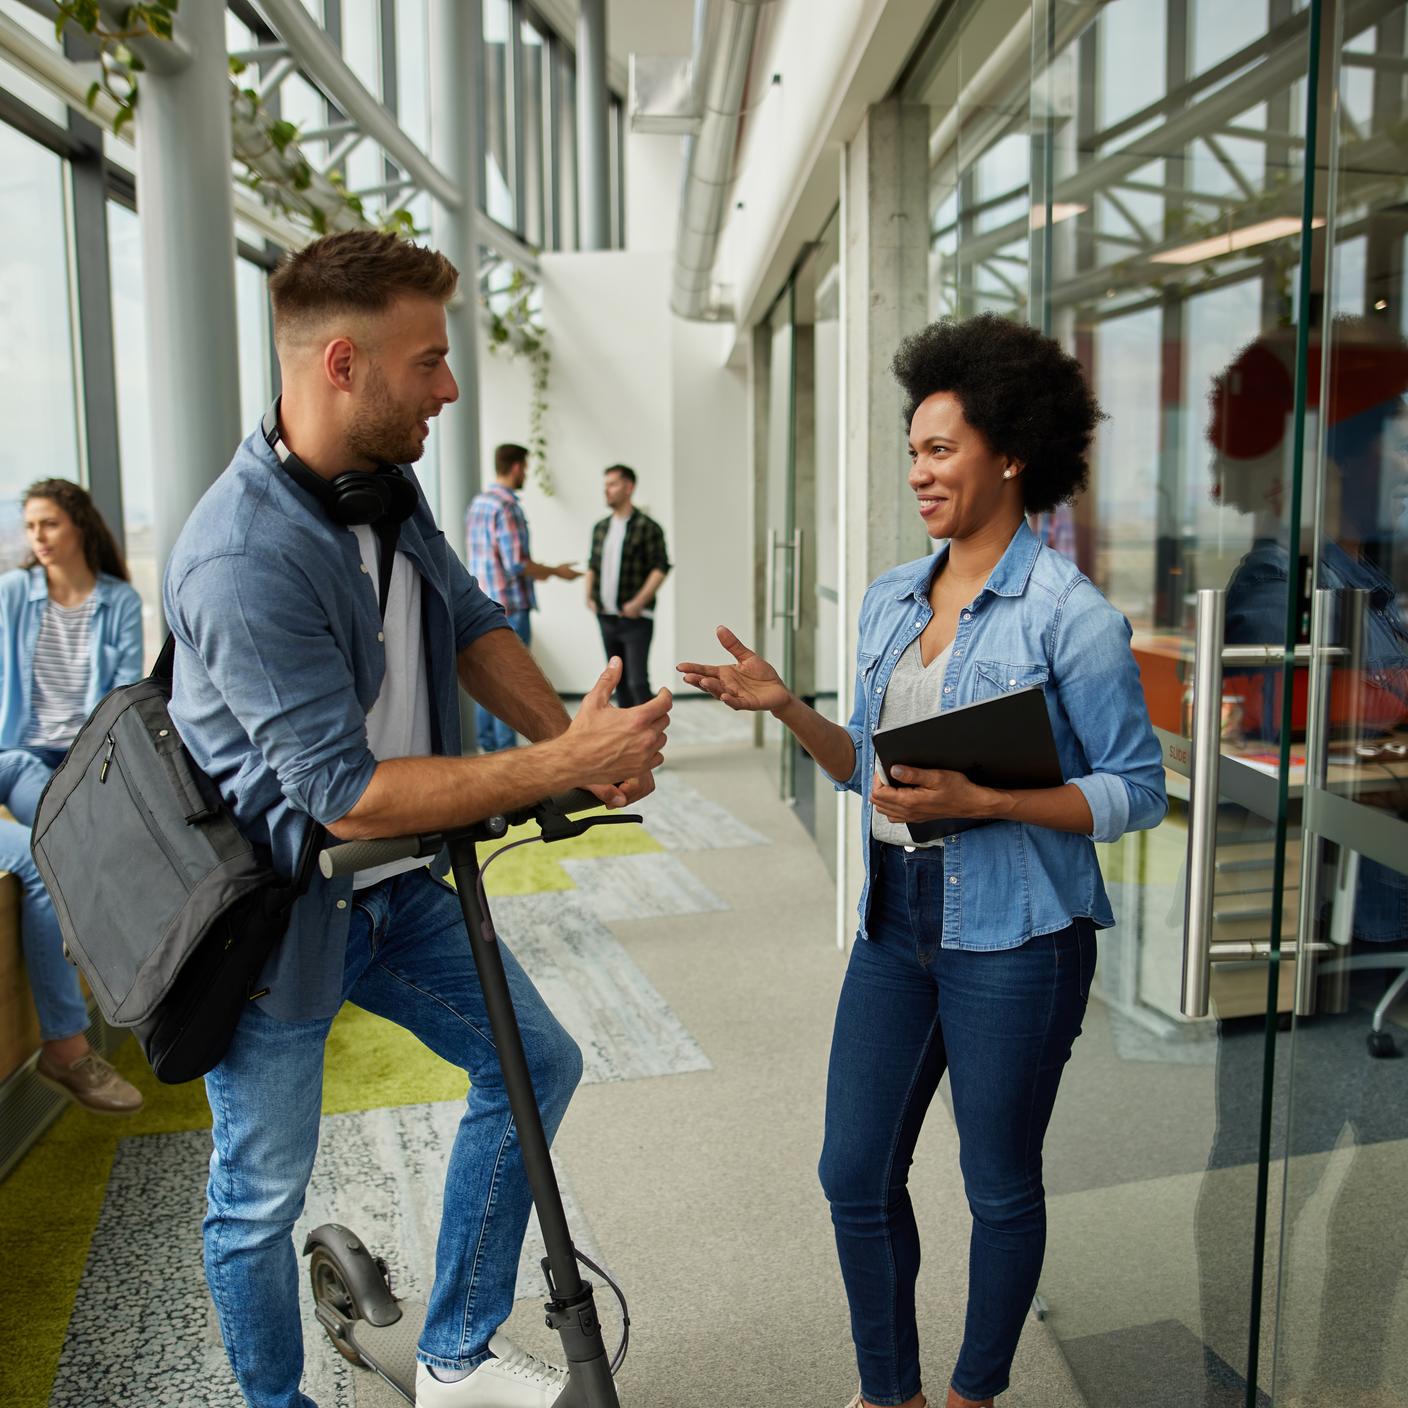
x,y
609,744
748,684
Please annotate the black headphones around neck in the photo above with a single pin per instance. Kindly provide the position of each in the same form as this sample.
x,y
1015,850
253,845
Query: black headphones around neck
x,y
355,497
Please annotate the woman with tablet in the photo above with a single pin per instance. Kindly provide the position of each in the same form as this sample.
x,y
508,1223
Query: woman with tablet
x,y
977,950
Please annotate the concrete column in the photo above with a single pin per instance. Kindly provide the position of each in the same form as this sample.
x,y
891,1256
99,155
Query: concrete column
x,y
884,254
186,203
593,143
457,148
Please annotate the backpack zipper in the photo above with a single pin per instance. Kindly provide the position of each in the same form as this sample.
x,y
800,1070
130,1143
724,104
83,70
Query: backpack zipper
x,y
107,759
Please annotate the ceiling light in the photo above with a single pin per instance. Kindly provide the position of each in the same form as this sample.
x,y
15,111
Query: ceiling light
x,y
1232,241
1059,211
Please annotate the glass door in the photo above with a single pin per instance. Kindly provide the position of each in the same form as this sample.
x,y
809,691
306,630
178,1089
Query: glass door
x,y
1145,180
801,488
1342,1333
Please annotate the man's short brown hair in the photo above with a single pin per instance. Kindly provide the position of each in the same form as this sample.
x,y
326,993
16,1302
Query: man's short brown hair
x,y
508,455
355,271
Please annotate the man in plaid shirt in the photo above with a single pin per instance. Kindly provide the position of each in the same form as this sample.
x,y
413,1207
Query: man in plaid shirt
x,y
628,565
497,534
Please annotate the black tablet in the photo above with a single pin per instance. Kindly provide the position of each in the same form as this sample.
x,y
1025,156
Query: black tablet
x,y
1001,742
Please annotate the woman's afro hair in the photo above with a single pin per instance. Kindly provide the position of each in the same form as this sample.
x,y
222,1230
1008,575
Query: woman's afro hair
x,y
1026,396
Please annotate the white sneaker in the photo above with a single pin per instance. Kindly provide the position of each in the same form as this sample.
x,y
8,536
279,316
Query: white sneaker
x,y
512,1379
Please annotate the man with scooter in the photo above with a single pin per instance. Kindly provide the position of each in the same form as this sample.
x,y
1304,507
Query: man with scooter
x,y
322,624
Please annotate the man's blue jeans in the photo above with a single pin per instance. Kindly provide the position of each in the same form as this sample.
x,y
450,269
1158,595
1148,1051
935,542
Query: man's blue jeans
x,y
53,979
408,959
1002,1024
494,735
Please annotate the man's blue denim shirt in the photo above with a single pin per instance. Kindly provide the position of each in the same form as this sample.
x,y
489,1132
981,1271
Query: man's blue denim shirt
x,y
278,662
1038,621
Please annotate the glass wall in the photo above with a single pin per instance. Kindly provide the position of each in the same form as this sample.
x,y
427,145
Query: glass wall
x,y
1205,207
500,119
38,381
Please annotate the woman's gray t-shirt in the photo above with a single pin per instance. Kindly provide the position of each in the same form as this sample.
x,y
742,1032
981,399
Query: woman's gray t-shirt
x,y
911,695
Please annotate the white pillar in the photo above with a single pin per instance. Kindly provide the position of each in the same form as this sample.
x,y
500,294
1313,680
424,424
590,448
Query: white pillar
x,y
885,275
456,68
593,129
186,204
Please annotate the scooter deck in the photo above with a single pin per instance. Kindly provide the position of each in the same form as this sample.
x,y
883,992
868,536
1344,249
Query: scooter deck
x,y
390,1350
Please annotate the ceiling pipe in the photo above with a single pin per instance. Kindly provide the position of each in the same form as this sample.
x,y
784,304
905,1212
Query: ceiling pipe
x,y
724,34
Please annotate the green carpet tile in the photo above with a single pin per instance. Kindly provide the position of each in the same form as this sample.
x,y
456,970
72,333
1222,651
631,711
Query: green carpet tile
x,y
49,1205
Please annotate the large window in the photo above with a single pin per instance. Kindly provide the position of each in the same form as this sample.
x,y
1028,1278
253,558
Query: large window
x,y
134,411
500,117
38,402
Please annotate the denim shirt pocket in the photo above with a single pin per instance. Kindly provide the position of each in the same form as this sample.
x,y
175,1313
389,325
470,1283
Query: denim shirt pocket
x,y
995,677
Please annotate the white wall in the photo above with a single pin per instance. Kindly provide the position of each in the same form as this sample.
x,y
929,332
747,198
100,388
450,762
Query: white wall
x,y
654,166
713,549
630,384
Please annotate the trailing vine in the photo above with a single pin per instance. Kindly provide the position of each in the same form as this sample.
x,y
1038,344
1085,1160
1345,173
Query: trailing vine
x,y
276,169
266,146
118,66
513,313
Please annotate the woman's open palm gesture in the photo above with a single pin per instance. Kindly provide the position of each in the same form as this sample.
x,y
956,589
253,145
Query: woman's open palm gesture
x,y
750,684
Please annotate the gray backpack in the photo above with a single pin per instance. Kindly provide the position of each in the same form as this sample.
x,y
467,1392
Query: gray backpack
x,y
165,906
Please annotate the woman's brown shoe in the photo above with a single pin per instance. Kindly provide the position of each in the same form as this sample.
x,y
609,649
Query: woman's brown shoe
x,y
91,1082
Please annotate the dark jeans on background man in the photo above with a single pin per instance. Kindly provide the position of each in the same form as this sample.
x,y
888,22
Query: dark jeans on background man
x,y
492,734
629,637
1001,1022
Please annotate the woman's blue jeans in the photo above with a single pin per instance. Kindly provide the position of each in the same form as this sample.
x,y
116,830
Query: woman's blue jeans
x,y
1001,1023
409,960
53,980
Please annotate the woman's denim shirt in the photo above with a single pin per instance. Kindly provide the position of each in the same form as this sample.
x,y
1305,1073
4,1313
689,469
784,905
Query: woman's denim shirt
x,y
114,639
1038,621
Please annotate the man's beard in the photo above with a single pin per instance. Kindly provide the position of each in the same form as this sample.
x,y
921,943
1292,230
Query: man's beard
x,y
383,431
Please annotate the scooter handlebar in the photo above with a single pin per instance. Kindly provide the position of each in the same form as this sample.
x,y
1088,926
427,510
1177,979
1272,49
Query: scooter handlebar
x,y
348,857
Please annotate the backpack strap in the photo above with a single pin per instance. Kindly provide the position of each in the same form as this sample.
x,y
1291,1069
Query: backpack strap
x,y
163,672
313,842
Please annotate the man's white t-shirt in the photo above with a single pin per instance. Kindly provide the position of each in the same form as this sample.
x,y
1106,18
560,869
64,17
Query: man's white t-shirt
x,y
399,723
611,565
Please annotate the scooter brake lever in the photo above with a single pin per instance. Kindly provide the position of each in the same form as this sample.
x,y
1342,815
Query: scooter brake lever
x,y
556,827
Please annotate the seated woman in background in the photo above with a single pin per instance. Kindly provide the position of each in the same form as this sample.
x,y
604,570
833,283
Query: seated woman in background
x,y
975,954
70,631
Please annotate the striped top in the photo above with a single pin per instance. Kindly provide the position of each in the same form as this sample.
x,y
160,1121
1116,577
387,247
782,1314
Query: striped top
x,y
497,530
62,660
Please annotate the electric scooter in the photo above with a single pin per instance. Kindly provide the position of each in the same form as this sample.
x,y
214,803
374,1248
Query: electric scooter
x,y
354,1299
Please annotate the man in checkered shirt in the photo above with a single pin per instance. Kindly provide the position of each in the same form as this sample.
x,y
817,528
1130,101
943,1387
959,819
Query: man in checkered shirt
x,y
497,534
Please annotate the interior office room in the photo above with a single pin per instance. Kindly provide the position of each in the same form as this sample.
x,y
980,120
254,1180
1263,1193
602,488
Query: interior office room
x,y
691,235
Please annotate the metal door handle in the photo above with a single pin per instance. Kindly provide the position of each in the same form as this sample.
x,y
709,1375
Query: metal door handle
x,y
1211,621
787,607
1315,739
796,610
1209,656
767,576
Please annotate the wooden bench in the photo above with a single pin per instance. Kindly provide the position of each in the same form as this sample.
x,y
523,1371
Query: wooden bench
x,y
19,1023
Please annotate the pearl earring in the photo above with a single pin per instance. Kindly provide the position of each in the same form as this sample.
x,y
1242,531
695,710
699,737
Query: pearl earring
x,y
1007,474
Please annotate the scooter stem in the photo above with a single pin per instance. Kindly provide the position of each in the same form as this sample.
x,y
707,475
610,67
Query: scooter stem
x,y
572,1311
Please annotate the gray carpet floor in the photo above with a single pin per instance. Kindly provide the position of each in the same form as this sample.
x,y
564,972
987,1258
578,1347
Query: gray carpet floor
x,y
701,1187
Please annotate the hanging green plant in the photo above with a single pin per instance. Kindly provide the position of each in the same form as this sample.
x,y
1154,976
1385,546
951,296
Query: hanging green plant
x,y
513,316
267,147
118,66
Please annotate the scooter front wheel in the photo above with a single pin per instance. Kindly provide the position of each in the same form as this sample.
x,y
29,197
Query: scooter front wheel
x,y
330,1289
